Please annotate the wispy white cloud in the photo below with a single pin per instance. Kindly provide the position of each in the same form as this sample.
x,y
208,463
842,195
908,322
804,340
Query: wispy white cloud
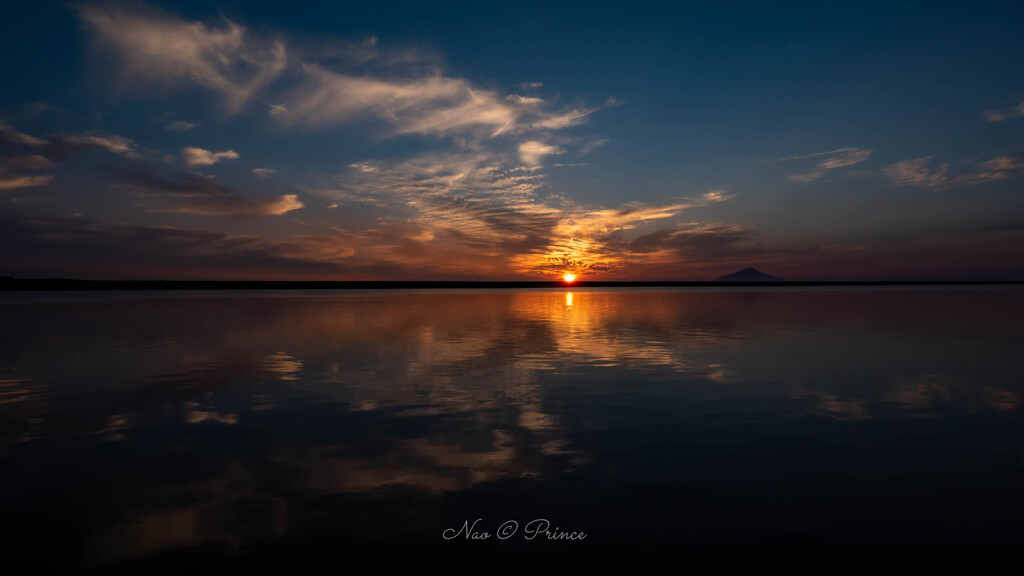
x,y
589,146
429,103
562,120
829,161
712,197
467,174
532,152
473,198
999,168
485,208
919,173
998,115
181,126
263,172
327,86
167,50
199,157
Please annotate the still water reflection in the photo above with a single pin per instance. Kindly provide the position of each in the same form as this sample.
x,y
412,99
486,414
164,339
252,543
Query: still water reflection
x,y
143,429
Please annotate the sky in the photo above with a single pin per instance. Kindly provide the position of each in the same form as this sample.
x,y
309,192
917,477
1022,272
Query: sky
x,y
512,140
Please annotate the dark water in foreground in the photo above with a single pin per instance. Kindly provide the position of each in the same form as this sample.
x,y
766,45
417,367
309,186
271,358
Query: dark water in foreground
x,y
157,432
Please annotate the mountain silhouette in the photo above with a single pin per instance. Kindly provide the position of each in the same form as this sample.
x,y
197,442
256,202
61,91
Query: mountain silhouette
x,y
749,275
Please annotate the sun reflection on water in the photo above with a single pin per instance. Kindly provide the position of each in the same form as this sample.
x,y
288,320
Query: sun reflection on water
x,y
432,393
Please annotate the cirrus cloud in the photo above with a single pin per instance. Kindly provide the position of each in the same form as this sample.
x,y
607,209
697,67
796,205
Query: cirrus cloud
x,y
342,84
163,49
919,172
1004,114
532,151
827,162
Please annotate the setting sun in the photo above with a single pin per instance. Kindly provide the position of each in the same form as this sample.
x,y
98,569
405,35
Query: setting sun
x,y
569,278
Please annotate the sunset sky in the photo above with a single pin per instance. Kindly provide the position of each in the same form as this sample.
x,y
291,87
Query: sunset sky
x,y
519,140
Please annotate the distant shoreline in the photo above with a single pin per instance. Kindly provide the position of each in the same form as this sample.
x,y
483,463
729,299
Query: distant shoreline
x,y
68,284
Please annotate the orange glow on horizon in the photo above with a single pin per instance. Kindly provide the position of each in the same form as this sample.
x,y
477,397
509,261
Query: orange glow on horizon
x,y
569,278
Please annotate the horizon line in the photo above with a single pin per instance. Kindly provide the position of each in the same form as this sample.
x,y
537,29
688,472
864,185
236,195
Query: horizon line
x,y
33,284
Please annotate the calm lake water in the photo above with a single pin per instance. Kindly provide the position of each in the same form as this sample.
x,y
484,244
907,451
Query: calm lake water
x,y
175,432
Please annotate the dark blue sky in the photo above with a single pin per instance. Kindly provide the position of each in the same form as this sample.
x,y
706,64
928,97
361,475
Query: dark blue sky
x,y
512,140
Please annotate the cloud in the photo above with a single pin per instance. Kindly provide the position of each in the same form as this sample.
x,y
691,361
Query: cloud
x,y
198,157
701,241
14,169
424,104
241,206
532,152
916,172
23,182
191,193
431,103
326,85
9,134
25,163
1000,168
1005,114
830,160
263,172
713,197
482,211
62,146
718,247
919,173
79,248
562,120
589,147
181,126
116,144
472,203
166,50
471,174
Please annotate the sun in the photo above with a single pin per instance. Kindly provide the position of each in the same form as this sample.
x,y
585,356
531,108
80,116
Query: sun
x,y
569,278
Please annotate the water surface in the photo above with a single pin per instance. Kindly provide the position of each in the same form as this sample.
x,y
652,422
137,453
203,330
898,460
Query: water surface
x,y
148,431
